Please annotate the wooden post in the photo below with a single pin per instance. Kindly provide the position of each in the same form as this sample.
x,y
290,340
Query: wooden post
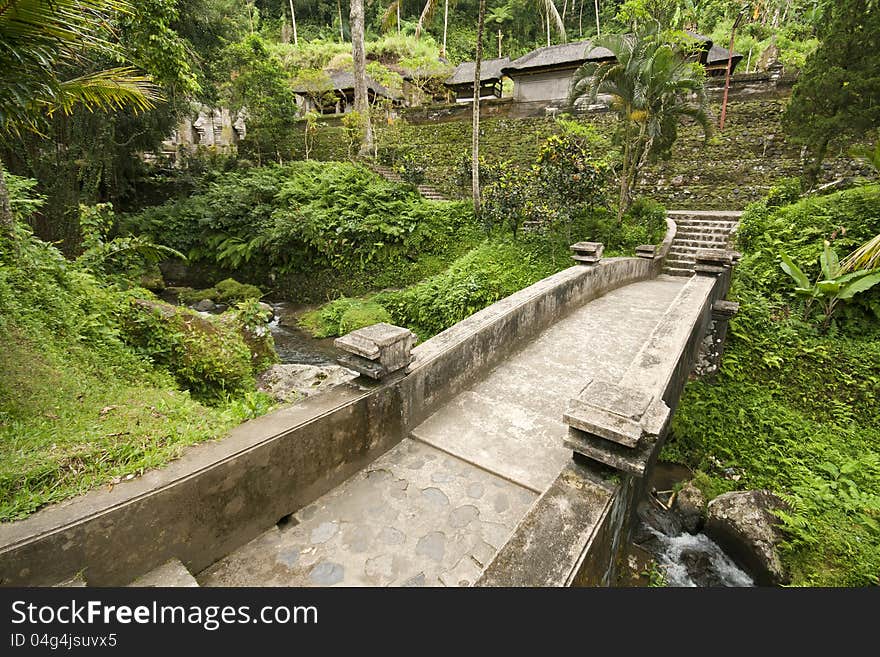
x,y
727,75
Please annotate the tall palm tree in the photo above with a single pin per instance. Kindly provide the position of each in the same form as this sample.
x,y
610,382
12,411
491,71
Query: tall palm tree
x,y
550,10
39,39
358,51
652,87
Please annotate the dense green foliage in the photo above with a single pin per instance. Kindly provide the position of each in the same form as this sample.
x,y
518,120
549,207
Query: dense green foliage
x,y
336,225
837,94
84,396
492,270
795,409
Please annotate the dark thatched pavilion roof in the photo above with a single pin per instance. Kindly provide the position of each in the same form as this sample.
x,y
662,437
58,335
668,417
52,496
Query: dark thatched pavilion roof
x,y
565,55
344,81
490,71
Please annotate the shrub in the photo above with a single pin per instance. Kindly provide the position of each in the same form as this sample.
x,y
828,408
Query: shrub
x,y
231,290
205,355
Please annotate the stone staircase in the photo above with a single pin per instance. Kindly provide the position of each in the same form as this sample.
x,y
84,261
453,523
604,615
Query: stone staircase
x,y
426,191
695,230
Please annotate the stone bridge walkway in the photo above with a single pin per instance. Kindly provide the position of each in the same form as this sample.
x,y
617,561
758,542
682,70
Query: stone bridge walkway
x,y
436,508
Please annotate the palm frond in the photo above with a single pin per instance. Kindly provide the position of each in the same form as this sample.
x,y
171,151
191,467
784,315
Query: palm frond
x,y
111,89
867,256
390,16
550,8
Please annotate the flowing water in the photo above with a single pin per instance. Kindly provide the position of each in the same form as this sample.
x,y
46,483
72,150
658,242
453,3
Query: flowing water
x,y
295,345
691,560
688,560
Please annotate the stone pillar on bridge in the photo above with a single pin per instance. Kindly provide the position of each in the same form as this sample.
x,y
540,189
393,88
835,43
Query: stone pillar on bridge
x,y
377,351
587,253
712,349
616,426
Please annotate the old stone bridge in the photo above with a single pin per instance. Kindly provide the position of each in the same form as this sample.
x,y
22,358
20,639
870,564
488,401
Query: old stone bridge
x,y
507,450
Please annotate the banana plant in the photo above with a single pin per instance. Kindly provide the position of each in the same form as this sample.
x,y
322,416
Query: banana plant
x,y
833,284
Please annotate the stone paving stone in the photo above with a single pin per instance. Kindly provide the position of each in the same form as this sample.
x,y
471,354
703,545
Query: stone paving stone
x,y
510,423
410,519
435,509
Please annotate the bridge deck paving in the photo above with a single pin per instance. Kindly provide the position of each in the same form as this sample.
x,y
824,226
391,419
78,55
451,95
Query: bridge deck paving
x,y
510,423
437,507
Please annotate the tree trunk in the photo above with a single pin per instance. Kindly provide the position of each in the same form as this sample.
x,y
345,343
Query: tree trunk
x,y
293,20
596,5
7,223
581,20
339,11
361,101
475,137
814,164
624,174
445,25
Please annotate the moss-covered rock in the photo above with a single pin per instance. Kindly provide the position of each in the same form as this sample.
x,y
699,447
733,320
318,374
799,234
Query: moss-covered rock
x,y
206,355
231,290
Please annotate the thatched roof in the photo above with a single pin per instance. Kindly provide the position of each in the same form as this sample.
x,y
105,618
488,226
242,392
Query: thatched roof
x,y
565,55
490,70
718,55
344,81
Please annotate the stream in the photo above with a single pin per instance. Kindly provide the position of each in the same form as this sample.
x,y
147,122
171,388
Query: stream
x,y
293,344
687,560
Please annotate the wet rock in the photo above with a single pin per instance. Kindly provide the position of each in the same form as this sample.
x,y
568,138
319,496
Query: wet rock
x,y
690,507
661,520
204,306
268,311
700,568
742,523
677,181
291,382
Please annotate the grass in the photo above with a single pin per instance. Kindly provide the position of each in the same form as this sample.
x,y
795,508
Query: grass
x,y
65,428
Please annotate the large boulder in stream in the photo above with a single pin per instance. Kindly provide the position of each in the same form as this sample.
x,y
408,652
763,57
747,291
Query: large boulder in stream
x,y
292,382
690,506
743,524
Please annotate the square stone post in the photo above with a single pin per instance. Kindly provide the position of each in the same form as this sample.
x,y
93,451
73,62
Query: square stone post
x,y
616,426
646,251
587,253
378,350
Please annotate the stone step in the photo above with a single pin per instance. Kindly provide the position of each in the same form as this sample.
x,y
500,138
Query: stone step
x,y
680,262
717,225
678,271
691,233
681,248
171,573
734,214
700,244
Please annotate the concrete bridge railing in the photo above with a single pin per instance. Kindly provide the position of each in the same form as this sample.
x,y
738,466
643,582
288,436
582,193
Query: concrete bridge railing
x,y
222,494
573,534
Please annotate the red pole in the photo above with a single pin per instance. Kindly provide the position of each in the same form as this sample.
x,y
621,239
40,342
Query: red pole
x,y
727,75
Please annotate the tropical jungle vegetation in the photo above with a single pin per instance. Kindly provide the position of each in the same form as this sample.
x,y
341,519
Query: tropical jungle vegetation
x,y
100,379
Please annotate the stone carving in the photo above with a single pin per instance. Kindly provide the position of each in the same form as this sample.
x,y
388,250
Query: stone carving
x,y
615,425
378,350
587,253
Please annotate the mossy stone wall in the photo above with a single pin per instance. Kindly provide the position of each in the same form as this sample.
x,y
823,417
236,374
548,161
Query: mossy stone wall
x,y
732,169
